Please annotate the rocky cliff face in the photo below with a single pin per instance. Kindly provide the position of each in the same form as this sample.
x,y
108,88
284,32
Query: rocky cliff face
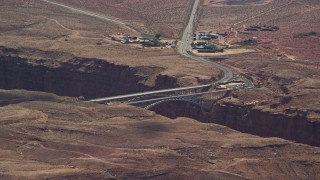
x,y
90,78
47,139
294,125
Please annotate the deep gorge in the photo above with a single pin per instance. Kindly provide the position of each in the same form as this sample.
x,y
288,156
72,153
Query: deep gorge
x,y
89,78
93,78
295,126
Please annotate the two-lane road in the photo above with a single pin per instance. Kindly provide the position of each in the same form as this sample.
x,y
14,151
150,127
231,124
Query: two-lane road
x,y
185,45
183,49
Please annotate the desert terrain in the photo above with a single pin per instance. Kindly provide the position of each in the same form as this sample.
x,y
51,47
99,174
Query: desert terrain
x,y
167,17
294,18
285,67
43,26
285,100
53,59
44,136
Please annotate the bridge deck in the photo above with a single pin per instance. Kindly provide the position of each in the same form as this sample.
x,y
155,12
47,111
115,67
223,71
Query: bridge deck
x,y
147,93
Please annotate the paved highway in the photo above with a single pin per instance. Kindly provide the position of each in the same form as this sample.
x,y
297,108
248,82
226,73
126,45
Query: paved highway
x,y
148,93
183,49
185,42
185,45
178,96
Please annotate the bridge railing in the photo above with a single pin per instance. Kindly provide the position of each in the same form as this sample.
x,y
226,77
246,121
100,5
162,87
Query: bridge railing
x,y
174,91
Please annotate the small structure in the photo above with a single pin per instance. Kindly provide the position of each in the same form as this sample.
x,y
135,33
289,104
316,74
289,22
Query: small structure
x,y
199,44
222,34
148,36
231,85
206,51
147,40
263,28
205,36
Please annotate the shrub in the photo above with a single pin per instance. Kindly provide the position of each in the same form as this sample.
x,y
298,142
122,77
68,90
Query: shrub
x,y
249,42
305,34
214,48
158,36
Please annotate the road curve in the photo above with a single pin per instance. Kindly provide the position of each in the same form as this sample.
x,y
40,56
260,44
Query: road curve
x,y
183,49
185,45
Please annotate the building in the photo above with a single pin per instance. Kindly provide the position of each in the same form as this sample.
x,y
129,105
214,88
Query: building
x,y
206,51
206,36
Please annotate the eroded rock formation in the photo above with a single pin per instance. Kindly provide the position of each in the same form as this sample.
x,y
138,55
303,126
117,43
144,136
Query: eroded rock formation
x,y
293,125
74,76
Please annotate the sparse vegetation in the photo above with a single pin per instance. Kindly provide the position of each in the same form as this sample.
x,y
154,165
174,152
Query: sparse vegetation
x,y
200,44
42,138
296,22
263,28
248,42
148,15
214,48
158,36
305,34
152,43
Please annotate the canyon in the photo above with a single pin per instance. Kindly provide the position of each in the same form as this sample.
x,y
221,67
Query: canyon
x,y
51,137
53,59
292,125
67,75
76,76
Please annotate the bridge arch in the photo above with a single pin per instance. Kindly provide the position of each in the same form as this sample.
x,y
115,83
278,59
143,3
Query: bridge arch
x,y
193,102
139,98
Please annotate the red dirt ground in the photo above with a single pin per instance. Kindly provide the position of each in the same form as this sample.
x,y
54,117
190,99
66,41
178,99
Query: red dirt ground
x,y
291,16
52,140
167,17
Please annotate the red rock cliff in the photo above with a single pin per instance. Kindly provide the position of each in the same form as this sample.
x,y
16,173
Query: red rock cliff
x,y
294,126
90,78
